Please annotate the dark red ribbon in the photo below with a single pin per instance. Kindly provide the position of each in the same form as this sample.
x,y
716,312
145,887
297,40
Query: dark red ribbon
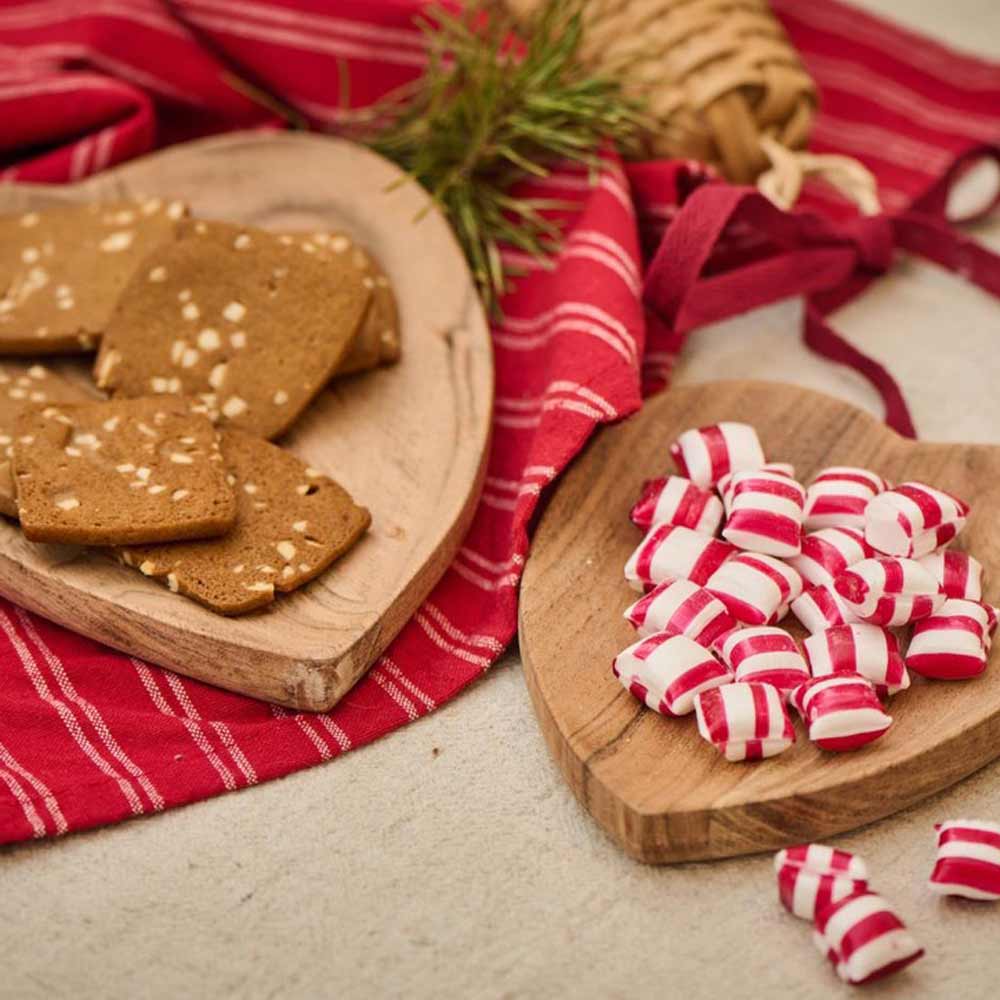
x,y
828,262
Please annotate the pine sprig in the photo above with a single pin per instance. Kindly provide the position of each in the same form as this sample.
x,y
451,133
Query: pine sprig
x,y
490,111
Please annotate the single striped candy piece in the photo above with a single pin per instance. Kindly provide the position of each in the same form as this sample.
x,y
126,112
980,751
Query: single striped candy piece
x,y
675,500
765,513
837,497
666,671
685,608
858,649
913,519
669,551
890,592
777,468
828,552
959,574
864,938
841,712
820,608
968,860
822,860
804,893
952,643
706,454
744,721
756,589
765,655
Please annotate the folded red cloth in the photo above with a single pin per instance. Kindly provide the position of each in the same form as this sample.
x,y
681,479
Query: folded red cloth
x,y
89,736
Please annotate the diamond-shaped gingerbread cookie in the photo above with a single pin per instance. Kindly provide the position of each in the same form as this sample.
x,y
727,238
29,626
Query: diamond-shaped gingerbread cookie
x,y
248,321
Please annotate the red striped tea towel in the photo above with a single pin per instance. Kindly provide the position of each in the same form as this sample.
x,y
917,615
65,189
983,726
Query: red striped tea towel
x,y
89,736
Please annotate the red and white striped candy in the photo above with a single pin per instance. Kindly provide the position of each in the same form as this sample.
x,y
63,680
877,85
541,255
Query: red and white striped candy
x,y
968,859
670,551
959,574
675,500
841,712
828,552
913,519
666,671
765,513
685,608
765,655
804,893
837,497
952,643
706,454
890,592
820,608
858,649
756,589
744,721
864,938
777,468
822,860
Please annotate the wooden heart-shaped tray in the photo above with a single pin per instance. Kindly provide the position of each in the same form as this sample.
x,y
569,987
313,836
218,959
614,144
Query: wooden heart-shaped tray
x,y
408,441
652,783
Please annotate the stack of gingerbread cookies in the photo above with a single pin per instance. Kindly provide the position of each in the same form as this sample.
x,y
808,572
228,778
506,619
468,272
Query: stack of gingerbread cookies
x,y
212,339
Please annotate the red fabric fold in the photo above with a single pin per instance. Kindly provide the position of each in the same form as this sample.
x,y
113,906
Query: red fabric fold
x,y
89,736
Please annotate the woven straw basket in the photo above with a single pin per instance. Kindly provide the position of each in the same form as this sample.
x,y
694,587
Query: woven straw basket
x,y
716,76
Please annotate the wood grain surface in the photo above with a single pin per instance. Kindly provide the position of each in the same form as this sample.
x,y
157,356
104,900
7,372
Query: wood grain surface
x,y
408,441
652,783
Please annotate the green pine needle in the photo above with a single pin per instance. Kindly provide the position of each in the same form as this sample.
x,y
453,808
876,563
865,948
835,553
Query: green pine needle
x,y
487,114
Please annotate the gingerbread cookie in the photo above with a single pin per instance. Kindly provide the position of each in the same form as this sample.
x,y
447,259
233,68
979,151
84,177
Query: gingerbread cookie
x,y
250,322
23,386
292,523
62,270
124,472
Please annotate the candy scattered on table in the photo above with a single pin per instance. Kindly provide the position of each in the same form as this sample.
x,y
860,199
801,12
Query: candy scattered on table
x,y
841,712
860,649
764,513
889,591
851,556
675,500
968,860
667,671
765,655
744,721
756,589
837,497
706,454
685,608
823,860
803,892
913,520
864,938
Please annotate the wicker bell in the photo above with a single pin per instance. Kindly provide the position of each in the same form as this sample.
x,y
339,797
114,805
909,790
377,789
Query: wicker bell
x,y
717,76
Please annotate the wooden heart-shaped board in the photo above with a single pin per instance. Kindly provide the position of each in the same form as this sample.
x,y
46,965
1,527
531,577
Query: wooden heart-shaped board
x,y
652,783
409,441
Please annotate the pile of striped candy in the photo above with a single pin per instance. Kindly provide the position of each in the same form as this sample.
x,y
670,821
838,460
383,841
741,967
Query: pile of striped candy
x,y
852,557
856,928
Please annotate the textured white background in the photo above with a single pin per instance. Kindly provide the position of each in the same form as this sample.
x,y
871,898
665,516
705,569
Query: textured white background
x,y
473,873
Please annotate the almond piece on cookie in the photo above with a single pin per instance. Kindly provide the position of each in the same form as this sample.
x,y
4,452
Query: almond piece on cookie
x,y
62,269
293,522
248,321
23,386
118,473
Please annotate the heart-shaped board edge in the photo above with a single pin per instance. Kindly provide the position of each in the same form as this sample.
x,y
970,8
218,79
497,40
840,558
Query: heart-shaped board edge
x,y
409,441
652,783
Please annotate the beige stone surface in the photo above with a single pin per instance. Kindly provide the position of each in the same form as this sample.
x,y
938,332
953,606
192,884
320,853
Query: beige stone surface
x,y
473,872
